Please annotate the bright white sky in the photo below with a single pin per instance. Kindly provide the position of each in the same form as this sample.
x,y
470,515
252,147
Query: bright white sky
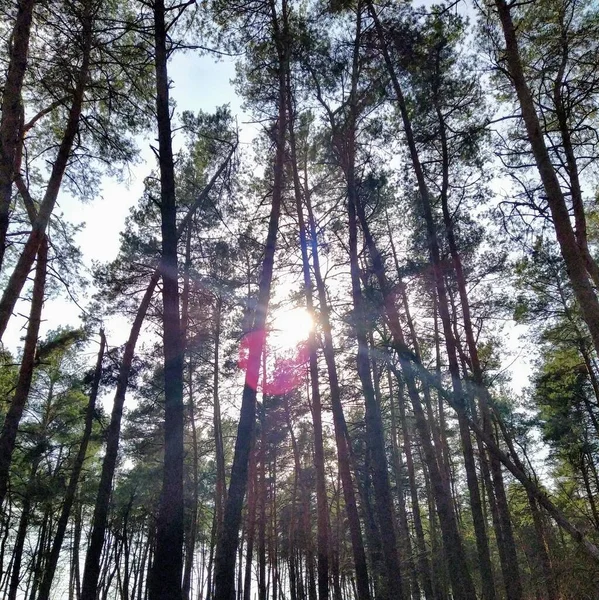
x,y
199,83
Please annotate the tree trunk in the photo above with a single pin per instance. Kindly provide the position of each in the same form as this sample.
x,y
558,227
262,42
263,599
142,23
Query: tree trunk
x,y
218,436
251,523
573,257
316,408
503,527
229,537
190,538
21,535
10,122
166,578
46,584
38,231
423,563
10,427
359,555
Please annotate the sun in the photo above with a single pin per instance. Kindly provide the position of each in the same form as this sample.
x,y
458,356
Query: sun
x,y
289,328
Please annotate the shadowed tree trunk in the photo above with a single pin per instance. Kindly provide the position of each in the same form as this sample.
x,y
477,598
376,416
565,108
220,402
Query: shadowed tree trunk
x,y
321,493
571,252
359,555
63,519
166,577
10,122
10,427
228,539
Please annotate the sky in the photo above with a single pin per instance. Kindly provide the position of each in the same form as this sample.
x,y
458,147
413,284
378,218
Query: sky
x,y
198,83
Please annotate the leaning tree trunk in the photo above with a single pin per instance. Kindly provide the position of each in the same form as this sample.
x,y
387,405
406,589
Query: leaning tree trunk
x,y
91,571
10,427
38,230
229,535
570,250
10,122
63,519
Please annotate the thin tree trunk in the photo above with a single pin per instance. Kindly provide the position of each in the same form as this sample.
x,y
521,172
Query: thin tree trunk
x,y
38,232
359,555
91,571
10,427
404,529
218,436
374,428
10,122
228,539
571,164
321,493
423,563
573,257
166,578
190,538
251,526
21,535
471,475
46,584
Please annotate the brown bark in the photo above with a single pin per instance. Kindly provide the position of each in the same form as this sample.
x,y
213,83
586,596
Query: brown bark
x,y
571,253
8,434
37,234
10,122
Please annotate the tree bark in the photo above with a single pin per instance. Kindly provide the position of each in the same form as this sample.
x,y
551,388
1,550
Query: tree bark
x,y
50,569
571,253
166,578
10,122
10,427
229,536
